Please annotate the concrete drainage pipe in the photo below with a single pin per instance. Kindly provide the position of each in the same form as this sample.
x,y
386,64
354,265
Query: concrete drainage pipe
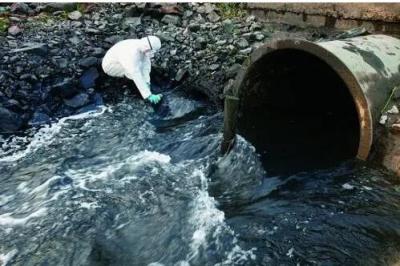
x,y
305,104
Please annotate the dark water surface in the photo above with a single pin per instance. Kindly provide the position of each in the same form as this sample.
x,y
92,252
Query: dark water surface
x,y
121,187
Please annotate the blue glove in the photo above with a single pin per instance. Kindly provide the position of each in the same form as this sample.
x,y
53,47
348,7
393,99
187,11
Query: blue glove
x,y
154,98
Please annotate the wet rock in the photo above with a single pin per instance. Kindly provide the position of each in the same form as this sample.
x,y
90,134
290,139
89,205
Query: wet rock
x,y
10,122
75,40
39,118
180,74
77,101
132,22
171,19
63,87
98,51
14,30
88,62
242,43
60,62
88,79
33,48
113,39
75,15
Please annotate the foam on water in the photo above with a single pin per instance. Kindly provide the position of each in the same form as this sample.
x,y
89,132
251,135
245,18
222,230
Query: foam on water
x,y
209,223
18,147
5,258
8,220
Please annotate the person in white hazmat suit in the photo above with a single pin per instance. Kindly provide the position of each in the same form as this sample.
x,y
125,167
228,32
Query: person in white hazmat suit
x,y
131,58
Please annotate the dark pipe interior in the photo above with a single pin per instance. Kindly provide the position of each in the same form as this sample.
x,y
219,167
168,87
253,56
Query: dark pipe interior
x,y
298,113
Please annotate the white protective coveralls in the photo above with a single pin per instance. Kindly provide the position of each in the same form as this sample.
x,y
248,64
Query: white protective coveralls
x,y
131,58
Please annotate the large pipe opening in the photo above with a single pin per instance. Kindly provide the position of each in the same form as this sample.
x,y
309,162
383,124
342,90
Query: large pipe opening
x,y
298,112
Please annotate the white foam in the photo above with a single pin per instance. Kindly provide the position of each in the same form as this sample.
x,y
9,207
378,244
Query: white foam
x,y
6,219
105,173
89,205
207,220
43,137
5,258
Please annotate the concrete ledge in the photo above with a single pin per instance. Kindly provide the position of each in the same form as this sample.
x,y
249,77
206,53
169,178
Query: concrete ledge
x,y
376,18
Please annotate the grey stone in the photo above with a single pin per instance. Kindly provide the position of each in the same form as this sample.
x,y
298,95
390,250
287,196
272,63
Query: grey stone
x,y
60,62
39,118
132,22
63,87
74,40
171,19
10,122
77,101
194,27
98,51
255,26
88,62
180,74
22,8
259,36
242,43
75,15
213,16
228,25
214,67
113,39
14,30
245,51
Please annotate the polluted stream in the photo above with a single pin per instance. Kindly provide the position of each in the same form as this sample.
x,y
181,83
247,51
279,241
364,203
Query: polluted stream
x,y
124,186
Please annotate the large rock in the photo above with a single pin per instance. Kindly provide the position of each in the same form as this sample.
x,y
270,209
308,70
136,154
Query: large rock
x,y
88,62
10,122
75,15
171,19
132,22
39,118
88,79
63,87
77,101
14,30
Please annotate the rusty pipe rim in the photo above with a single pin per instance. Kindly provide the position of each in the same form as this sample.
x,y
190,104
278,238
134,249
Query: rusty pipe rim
x,y
360,101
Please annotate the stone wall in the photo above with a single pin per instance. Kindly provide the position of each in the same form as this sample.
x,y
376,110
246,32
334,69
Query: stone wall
x,y
375,17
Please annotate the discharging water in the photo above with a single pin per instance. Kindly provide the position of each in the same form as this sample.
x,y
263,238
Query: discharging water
x,y
120,186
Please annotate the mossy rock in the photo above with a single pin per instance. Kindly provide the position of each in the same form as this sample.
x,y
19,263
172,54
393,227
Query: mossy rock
x,y
4,24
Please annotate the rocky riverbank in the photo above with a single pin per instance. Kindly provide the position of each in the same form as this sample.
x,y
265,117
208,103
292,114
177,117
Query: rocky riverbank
x,y
51,53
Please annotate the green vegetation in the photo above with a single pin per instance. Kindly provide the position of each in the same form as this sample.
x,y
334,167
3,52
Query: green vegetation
x,y
231,10
384,109
4,24
81,7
